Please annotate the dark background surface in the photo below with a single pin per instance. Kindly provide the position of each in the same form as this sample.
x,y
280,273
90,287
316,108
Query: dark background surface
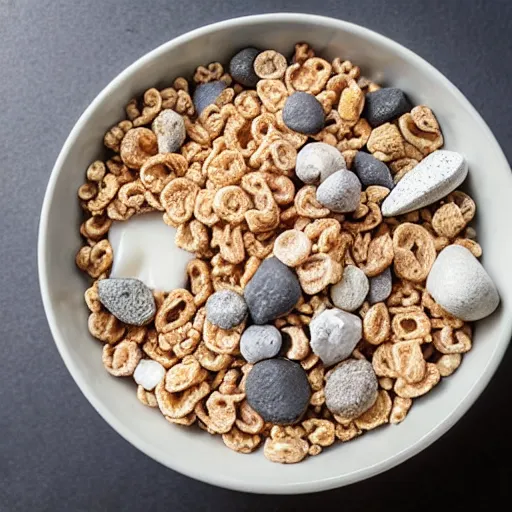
x,y
56,453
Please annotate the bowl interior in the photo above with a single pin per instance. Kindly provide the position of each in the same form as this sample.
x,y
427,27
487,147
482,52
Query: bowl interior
x,y
193,452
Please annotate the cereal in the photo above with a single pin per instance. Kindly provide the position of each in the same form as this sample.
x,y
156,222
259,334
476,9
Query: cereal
x,y
122,359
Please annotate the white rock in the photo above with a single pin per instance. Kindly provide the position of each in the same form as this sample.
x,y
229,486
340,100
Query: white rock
x,y
317,161
148,373
459,284
434,177
334,335
351,291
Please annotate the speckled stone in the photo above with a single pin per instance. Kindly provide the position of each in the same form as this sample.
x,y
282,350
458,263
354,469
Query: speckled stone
x,y
226,309
148,373
385,105
241,67
129,300
433,178
459,284
206,94
334,335
278,390
303,113
351,291
371,171
260,342
380,287
317,161
340,192
351,389
273,291
170,132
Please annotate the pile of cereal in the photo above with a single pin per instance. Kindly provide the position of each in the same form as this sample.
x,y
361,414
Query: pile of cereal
x,y
335,274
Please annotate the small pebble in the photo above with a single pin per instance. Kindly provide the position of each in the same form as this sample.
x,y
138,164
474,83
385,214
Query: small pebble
x,y
380,287
260,342
303,113
317,161
226,309
241,67
351,291
278,390
351,389
129,300
148,373
170,132
371,171
385,105
459,284
433,178
334,335
340,192
273,291
206,94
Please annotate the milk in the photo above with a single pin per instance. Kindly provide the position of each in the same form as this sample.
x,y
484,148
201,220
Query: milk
x,y
144,248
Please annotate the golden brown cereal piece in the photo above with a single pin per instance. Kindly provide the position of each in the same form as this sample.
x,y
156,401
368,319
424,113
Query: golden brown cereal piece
x,y
370,221
465,203
408,360
414,252
410,325
356,137
470,245
408,390
386,143
211,360
292,247
226,167
249,421
230,204
157,171
92,298
95,228
137,146
309,361
151,107
448,363
282,188
178,198
146,397
213,71
376,194
121,360
270,65
86,192
178,405
222,341
377,414
318,272
346,432
448,220
132,194
382,361
115,135
186,421
376,324
450,341
316,378
96,171
221,412
136,333
230,242
198,272
400,409
310,76
177,309
108,188
272,94
241,442
307,205
421,129
320,432
105,327
152,349
203,208
286,449
248,104
193,237
184,375
265,215
380,253
351,103
299,343
95,260
386,383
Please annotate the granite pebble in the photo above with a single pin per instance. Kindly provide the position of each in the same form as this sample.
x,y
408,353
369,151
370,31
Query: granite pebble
x,y
380,287
385,105
340,192
371,171
459,284
241,67
129,300
148,374
170,132
206,94
433,178
278,390
226,309
317,161
349,293
303,113
260,342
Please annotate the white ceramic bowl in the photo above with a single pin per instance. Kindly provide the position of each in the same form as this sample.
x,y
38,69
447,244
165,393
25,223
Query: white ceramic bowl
x,y
191,451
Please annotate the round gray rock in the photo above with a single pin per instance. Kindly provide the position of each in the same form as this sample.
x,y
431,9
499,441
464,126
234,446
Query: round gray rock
x,y
380,287
278,390
317,161
351,389
340,192
385,105
273,291
260,342
241,67
350,292
371,171
129,300
206,94
226,309
170,132
303,113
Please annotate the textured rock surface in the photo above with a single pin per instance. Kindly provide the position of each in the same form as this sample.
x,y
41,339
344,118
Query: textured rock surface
x,y
371,171
303,113
380,287
241,67
226,309
260,342
206,94
317,161
351,291
385,105
148,373
340,192
170,132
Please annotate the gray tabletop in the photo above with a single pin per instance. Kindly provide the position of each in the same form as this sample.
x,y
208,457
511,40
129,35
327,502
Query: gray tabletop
x,y
56,453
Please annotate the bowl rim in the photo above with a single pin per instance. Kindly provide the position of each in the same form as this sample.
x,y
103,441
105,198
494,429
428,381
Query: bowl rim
x,y
197,472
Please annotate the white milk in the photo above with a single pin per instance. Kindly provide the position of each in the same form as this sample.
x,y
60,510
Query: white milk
x,y
144,248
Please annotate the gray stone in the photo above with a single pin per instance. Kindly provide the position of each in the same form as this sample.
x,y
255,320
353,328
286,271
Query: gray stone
x,y
129,300
260,342
459,284
278,390
273,291
206,94
350,292
380,287
433,178
351,389
241,67
317,161
170,132
303,113
334,335
371,171
226,309
340,192
385,105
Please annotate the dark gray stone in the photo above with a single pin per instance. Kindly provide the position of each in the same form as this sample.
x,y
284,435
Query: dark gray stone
x,y
241,67
260,342
278,389
385,105
303,113
273,291
129,300
206,94
340,192
226,309
371,171
380,287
